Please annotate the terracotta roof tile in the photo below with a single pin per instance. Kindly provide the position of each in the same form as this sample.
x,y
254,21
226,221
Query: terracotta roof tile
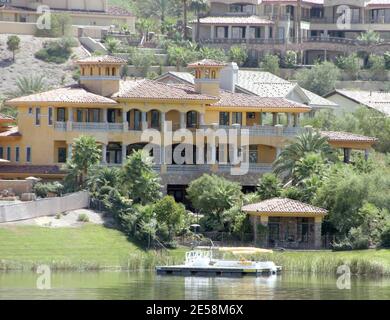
x,y
283,206
102,59
111,10
243,20
70,94
6,118
11,132
207,63
346,136
149,89
229,99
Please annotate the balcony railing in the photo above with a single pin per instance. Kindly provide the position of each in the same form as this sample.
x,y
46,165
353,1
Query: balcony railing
x,y
255,168
260,131
88,126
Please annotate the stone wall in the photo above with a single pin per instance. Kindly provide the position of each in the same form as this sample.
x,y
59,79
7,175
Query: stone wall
x,y
43,207
17,187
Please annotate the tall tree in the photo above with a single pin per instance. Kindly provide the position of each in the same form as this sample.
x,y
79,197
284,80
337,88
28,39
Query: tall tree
x,y
199,6
305,143
141,182
85,155
13,44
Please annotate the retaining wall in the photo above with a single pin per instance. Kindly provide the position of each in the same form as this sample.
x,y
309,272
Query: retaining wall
x,y
44,207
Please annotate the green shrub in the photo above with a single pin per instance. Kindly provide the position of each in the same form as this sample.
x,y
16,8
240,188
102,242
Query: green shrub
x,y
238,54
270,63
290,59
83,218
56,51
42,190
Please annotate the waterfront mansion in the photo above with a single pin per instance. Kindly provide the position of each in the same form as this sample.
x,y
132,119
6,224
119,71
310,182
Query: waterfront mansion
x,y
117,112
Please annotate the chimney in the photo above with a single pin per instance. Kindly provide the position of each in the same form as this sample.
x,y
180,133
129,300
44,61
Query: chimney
x,y
229,77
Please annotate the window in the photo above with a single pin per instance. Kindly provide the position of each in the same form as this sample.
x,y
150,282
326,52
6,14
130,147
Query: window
x,y
30,111
17,154
107,71
50,116
93,115
213,74
28,154
237,118
61,155
251,115
61,114
37,116
1,153
253,154
9,153
224,118
79,115
91,71
113,72
155,120
137,120
192,119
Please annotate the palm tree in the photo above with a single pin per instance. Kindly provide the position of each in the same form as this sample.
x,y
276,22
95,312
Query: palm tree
x,y
305,143
112,45
370,38
28,85
198,6
185,19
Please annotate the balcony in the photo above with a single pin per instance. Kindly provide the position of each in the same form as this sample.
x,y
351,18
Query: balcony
x,y
89,126
262,131
255,168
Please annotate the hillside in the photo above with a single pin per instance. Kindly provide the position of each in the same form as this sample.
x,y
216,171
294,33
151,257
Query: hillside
x,y
27,64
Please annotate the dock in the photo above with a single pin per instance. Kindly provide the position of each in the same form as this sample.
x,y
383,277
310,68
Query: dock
x,y
183,270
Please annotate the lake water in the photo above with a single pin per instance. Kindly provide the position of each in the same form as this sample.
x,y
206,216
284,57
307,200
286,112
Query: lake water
x,y
147,285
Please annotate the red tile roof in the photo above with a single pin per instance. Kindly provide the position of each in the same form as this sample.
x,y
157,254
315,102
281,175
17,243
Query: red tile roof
x,y
346,136
207,63
12,132
229,99
70,94
6,118
244,20
102,59
149,89
283,206
111,10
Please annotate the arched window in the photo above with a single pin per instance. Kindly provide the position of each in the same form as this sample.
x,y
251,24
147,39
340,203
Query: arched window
x,y
113,72
192,119
107,71
155,119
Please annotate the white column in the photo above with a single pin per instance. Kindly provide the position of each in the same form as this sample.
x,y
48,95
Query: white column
x,y
183,120
104,153
212,32
230,32
144,122
247,32
70,151
278,152
288,119
201,119
296,119
266,34
162,121
70,114
124,121
104,115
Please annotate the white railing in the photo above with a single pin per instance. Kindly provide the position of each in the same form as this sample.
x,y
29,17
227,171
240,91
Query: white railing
x,y
253,167
259,131
60,126
88,126
173,168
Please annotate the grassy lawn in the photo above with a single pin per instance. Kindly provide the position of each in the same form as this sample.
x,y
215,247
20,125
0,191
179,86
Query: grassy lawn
x,y
96,247
91,246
